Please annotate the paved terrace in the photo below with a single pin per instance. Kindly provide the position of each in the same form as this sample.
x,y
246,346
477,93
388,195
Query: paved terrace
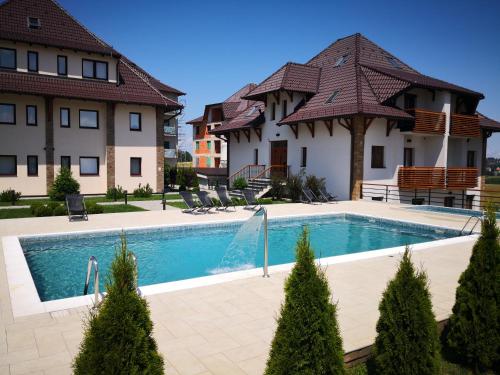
x,y
225,328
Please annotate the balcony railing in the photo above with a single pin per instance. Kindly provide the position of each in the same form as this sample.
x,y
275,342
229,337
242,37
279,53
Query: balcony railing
x,y
171,153
169,130
428,122
465,126
437,178
422,177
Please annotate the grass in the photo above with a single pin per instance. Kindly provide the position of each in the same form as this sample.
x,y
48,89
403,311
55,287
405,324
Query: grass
x,y
447,368
493,180
112,208
17,213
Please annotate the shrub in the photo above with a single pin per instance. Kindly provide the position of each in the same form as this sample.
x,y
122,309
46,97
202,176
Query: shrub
x,y
118,334
307,340
407,336
35,206
94,208
44,210
143,191
53,205
315,184
10,195
277,188
60,211
187,178
294,187
115,192
473,332
240,183
63,184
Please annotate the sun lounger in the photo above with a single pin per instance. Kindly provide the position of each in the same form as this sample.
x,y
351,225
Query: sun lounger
x,y
206,202
327,196
75,203
188,199
308,196
224,199
251,200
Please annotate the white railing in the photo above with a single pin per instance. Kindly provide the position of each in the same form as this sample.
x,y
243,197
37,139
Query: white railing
x,y
170,153
169,130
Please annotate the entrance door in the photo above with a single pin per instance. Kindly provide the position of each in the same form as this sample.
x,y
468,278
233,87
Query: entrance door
x,y
279,158
408,157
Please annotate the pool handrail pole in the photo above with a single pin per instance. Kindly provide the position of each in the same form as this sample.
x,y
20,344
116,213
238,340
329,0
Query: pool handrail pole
x,y
134,258
92,263
266,244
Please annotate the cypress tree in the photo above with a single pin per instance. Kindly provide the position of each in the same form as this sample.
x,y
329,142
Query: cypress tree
x,y
473,332
118,334
407,340
307,340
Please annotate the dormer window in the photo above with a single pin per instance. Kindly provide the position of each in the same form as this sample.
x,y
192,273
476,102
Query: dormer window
x,y
34,22
94,69
341,60
332,97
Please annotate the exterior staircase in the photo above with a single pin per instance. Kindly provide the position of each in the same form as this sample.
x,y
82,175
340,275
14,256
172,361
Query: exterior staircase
x,y
258,178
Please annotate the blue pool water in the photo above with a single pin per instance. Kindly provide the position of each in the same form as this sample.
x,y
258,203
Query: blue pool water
x,y
450,210
58,264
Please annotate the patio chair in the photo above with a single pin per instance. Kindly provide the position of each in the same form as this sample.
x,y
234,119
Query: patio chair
x,y
206,202
188,199
326,195
308,196
224,199
251,200
75,204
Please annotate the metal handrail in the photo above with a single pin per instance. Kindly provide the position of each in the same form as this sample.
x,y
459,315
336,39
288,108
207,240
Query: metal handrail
x,y
478,220
92,263
266,243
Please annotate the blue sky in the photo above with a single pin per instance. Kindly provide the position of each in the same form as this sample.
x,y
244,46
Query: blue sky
x,y
209,49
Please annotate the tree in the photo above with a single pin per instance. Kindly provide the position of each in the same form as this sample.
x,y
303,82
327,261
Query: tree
x,y
63,184
407,336
473,332
307,340
118,335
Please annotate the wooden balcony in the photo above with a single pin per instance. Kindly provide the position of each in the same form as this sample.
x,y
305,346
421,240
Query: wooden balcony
x,y
422,177
461,178
465,126
428,122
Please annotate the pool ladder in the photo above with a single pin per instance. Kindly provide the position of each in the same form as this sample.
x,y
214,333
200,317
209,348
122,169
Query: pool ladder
x,y
478,219
92,264
266,247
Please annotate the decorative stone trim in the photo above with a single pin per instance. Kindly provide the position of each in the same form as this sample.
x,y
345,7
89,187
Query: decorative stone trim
x,y
110,145
357,155
160,154
49,141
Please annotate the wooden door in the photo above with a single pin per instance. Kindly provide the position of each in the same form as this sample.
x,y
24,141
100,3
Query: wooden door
x,y
279,158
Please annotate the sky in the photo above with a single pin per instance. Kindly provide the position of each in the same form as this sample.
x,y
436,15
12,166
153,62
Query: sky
x,y
209,49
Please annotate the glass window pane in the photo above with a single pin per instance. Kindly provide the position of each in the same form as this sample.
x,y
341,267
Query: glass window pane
x,y
135,166
65,162
7,113
32,165
8,165
101,70
32,61
89,166
61,65
88,119
135,121
7,58
31,115
64,117
88,69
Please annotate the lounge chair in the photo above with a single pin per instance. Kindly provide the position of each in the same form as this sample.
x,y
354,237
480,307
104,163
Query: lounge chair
x,y
224,199
206,202
308,196
188,199
75,204
327,196
251,200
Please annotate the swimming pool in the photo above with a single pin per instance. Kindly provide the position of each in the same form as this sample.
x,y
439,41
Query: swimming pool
x,y
182,252
450,210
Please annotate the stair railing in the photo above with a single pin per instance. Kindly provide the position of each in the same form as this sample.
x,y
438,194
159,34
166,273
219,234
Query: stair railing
x,y
247,172
268,172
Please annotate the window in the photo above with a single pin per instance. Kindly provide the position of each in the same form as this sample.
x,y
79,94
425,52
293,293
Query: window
x,y
341,60
31,115
62,65
217,147
273,111
217,162
32,165
378,157
256,156
64,117
8,58
471,159
209,144
32,61
89,119
409,157
8,165
89,166
410,101
66,162
284,112
94,69
197,146
34,22
303,157
135,166
197,130
209,162
332,97
166,145
135,121
7,114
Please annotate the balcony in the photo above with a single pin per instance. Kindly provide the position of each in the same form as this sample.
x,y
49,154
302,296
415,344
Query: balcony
x,y
465,126
171,153
437,178
169,130
426,122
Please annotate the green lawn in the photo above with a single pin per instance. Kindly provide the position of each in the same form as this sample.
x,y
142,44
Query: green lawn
x,y
447,368
16,213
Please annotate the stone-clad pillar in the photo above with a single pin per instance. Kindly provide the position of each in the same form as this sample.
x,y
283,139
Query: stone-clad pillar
x,y
357,155
110,145
49,140
160,153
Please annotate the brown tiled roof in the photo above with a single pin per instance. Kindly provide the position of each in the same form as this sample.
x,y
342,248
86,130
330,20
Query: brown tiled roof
x,y
197,120
251,117
290,77
488,123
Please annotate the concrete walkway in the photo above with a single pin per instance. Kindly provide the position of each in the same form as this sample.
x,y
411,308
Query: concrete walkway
x,y
225,328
